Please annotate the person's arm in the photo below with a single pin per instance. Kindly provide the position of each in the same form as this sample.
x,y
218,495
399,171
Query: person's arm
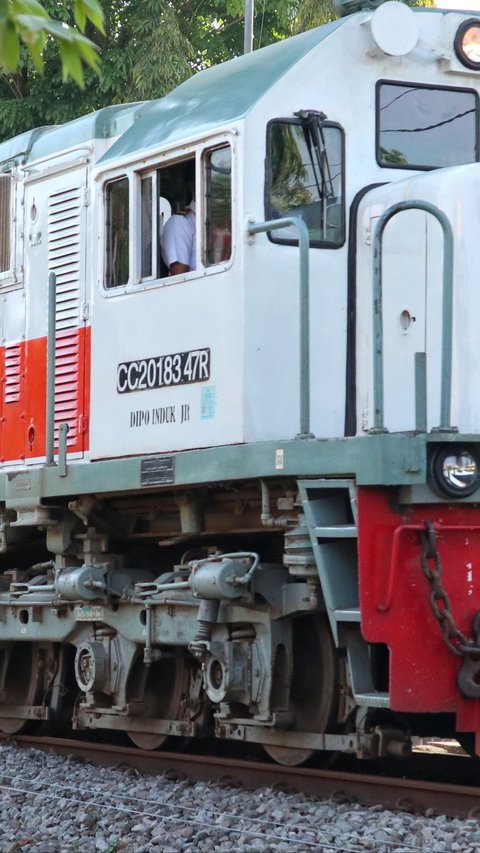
x,y
177,268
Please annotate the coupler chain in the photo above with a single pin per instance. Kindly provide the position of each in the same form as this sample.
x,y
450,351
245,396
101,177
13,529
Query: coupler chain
x,y
468,678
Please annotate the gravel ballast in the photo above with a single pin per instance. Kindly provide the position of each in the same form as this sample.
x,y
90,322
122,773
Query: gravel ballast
x,y
52,804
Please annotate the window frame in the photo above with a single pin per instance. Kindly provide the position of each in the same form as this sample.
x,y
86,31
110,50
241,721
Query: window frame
x,y
284,241
414,85
206,153
115,179
143,167
140,177
9,277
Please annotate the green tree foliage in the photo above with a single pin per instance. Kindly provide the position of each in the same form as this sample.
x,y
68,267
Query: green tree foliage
x,y
146,48
143,54
289,174
29,23
216,27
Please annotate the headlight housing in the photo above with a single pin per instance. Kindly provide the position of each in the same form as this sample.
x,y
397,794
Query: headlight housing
x,y
467,43
454,470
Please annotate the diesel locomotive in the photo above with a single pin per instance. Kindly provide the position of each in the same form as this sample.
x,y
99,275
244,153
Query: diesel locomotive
x,y
243,501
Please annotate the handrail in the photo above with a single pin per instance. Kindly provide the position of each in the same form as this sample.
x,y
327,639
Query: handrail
x,y
304,245
447,314
50,440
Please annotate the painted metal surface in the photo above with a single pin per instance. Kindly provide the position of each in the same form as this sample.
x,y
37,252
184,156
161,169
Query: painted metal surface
x,y
395,598
396,460
447,308
413,302
24,417
304,321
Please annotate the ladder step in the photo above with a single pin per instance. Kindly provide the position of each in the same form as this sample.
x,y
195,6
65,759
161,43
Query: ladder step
x,y
336,531
347,614
373,700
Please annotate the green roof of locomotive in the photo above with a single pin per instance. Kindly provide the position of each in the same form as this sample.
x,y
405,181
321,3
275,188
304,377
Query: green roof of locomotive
x,y
215,96
46,141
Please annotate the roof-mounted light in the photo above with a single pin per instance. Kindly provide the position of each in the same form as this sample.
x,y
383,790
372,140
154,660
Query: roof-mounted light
x,y
467,44
394,28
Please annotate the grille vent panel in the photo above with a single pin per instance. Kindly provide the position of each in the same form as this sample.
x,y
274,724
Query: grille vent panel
x,y
13,370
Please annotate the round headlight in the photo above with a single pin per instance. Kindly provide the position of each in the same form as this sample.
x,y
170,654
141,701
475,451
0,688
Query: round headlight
x,y
467,44
455,471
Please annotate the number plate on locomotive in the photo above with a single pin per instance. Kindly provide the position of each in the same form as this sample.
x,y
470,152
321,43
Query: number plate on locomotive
x,y
88,613
163,371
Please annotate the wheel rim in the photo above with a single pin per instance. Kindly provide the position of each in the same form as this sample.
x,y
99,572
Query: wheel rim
x,y
22,684
314,688
162,687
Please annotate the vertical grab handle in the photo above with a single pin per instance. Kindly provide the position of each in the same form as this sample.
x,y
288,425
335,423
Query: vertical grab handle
x,y
50,439
447,314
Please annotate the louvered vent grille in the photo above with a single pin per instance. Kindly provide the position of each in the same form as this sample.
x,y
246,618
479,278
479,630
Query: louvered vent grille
x,y
5,221
66,384
64,220
12,373
64,259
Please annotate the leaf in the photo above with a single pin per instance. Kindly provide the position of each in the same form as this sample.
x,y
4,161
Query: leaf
x,y
26,7
4,10
3,59
60,32
80,16
89,10
31,25
11,46
36,52
71,65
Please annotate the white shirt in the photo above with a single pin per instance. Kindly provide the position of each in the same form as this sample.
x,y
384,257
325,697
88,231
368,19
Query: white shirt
x,y
179,238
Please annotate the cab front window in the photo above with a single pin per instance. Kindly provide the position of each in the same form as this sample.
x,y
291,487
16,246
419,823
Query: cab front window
x,y
305,178
426,127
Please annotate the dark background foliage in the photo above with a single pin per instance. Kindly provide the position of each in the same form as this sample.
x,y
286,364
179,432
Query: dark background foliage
x,y
149,47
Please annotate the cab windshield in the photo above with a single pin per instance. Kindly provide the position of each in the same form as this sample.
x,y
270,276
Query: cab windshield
x,y
426,127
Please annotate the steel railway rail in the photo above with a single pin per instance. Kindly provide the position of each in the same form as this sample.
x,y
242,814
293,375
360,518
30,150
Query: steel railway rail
x,y
416,793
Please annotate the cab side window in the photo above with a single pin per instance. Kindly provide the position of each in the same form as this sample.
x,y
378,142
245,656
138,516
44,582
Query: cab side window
x,y
218,224
157,213
305,177
117,196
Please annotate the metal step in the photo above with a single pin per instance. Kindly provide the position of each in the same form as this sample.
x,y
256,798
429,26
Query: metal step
x,y
347,614
373,700
336,531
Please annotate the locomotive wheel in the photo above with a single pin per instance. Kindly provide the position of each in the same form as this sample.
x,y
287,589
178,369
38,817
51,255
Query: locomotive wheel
x,y
23,667
314,689
162,687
